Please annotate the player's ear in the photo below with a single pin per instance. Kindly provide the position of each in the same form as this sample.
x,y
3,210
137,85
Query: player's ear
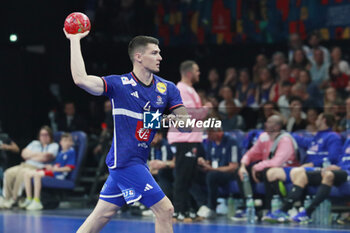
x,y
138,57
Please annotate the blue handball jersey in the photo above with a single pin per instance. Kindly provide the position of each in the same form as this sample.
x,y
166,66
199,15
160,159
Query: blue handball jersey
x,y
130,98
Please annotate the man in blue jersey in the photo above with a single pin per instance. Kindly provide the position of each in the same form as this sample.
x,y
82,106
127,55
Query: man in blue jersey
x,y
335,174
325,144
131,95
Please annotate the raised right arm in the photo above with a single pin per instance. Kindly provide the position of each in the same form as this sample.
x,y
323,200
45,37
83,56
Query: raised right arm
x,y
90,83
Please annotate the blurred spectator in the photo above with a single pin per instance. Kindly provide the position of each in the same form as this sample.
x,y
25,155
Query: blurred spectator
x,y
308,101
319,69
231,78
284,76
70,120
36,154
264,87
260,63
311,88
345,122
330,96
214,83
299,60
283,100
297,119
245,90
7,147
278,59
295,43
314,42
339,71
311,117
268,109
229,109
105,139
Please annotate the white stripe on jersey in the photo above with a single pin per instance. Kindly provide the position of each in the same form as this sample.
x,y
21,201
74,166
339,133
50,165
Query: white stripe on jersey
x,y
126,112
111,196
115,139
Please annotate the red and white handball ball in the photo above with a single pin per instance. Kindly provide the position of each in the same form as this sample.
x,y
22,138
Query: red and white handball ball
x,y
77,23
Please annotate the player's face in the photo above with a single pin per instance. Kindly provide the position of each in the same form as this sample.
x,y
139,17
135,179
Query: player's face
x,y
151,58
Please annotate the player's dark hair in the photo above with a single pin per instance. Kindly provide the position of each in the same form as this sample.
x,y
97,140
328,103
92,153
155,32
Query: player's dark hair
x,y
138,42
186,66
330,119
48,130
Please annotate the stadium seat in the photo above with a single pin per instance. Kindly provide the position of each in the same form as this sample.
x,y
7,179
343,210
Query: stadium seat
x,y
80,144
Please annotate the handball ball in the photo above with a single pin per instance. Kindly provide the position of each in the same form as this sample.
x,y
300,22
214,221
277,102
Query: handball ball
x,y
77,23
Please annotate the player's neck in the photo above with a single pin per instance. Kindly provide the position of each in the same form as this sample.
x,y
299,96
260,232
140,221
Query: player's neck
x,y
143,75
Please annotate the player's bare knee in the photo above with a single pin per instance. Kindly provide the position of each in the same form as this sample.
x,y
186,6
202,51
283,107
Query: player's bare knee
x,y
328,177
298,176
271,174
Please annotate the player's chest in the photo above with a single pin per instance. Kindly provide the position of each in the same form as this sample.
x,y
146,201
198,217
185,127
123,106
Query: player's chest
x,y
141,99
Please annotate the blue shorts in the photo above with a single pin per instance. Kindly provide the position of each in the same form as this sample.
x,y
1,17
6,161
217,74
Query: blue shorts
x,y
130,184
288,169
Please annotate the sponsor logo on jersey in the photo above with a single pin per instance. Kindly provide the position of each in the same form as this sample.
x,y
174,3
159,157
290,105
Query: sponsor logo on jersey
x,y
142,134
161,88
127,81
135,94
128,193
159,100
151,120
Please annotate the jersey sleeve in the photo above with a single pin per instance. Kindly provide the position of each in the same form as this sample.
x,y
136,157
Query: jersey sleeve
x,y
108,85
174,98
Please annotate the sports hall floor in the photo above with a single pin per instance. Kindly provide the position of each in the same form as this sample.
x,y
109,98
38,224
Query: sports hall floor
x,y
69,220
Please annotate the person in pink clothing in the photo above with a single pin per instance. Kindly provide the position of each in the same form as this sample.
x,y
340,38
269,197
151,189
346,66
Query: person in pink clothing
x,y
188,145
274,148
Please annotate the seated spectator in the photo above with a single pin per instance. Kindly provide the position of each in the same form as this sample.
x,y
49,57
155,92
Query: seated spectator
x,y
7,145
314,42
261,153
345,122
245,90
264,87
325,143
319,70
299,60
219,165
260,63
162,163
70,120
214,83
330,96
311,117
297,119
339,71
311,88
308,101
278,59
231,78
269,108
59,169
295,42
284,76
36,155
283,100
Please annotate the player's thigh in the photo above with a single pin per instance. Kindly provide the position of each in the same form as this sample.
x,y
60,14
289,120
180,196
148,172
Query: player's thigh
x,y
111,192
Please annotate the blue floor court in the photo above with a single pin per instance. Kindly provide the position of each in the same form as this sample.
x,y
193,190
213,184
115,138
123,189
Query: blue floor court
x,y
59,221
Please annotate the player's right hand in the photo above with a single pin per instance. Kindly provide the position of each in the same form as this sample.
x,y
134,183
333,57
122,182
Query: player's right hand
x,y
75,36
